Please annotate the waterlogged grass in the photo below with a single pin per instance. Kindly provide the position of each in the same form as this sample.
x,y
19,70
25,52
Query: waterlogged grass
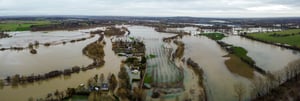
x,y
151,56
290,37
148,79
242,54
214,36
15,25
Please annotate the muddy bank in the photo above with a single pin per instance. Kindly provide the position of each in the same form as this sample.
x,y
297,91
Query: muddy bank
x,y
236,65
180,49
168,39
241,53
198,71
95,51
114,31
4,35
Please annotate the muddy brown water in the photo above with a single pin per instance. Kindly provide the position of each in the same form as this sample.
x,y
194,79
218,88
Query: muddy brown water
x,y
268,57
219,80
55,55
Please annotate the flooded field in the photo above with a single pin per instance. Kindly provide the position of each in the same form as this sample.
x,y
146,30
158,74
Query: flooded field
x,y
21,39
219,79
268,57
73,54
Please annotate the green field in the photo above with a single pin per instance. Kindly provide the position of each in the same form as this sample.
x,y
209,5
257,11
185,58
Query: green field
x,y
214,36
242,54
290,37
14,25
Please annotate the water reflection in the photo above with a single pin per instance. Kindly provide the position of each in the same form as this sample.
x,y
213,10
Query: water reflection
x,y
268,57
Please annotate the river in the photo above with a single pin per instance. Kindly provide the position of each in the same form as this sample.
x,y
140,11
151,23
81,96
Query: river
x,y
58,56
219,80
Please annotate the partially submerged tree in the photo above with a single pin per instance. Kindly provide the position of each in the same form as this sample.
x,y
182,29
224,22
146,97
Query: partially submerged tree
x,y
240,91
113,83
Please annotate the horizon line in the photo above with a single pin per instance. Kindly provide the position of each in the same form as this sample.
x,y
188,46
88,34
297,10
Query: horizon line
x,y
138,16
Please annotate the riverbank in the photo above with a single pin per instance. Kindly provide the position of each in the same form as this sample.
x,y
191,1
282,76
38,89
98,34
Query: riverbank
x,y
288,39
4,35
179,52
241,53
281,86
234,52
237,66
18,79
200,73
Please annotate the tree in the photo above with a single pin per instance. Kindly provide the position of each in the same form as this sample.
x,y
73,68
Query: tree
x,y
70,92
123,73
113,82
239,91
102,78
56,94
96,78
138,94
123,93
144,60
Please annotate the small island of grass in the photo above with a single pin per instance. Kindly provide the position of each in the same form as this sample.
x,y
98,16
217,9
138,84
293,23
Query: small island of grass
x,y
214,36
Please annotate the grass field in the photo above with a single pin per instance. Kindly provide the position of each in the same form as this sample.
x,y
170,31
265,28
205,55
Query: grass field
x,y
14,25
290,37
214,36
242,54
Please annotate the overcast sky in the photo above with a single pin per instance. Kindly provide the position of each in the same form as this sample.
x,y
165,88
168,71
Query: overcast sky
x,y
194,8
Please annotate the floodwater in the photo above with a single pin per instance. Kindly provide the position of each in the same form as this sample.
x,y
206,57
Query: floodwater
x,y
219,80
23,38
41,89
268,57
168,71
46,60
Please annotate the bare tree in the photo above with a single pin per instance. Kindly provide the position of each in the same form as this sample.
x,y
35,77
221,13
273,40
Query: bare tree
x,y
113,82
102,78
239,91
138,94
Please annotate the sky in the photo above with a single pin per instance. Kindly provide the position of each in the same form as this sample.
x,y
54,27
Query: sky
x,y
160,8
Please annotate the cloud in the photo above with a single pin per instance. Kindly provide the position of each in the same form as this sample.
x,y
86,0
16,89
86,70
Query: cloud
x,y
197,8
270,8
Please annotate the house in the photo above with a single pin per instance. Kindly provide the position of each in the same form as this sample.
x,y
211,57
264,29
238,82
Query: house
x,y
104,87
135,75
